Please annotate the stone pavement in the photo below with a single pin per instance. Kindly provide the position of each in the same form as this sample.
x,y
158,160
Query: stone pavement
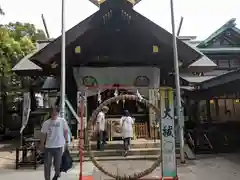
x,y
214,167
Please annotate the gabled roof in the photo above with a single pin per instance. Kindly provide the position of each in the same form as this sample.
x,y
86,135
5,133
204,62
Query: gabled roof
x,y
186,53
26,64
54,47
99,2
229,24
221,80
203,62
196,79
50,83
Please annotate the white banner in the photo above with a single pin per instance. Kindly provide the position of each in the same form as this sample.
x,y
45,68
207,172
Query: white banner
x,y
26,110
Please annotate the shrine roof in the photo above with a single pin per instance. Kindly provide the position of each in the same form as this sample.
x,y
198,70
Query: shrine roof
x,y
117,36
223,79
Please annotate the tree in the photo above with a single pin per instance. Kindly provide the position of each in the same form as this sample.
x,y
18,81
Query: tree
x,y
12,50
19,30
16,41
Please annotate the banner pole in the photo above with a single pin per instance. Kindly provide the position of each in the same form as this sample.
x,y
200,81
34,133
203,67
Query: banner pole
x,y
177,85
63,62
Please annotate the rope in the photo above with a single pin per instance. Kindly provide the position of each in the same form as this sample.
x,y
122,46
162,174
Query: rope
x,y
90,133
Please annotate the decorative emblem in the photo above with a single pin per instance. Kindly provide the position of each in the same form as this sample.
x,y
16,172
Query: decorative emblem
x,y
89,81
142,81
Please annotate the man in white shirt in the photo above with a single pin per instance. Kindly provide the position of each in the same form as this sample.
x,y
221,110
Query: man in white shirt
x,y
100,127
55,137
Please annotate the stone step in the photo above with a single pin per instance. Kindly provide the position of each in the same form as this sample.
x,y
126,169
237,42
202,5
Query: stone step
x,y
119,145
119,158
134,154
139,149
119,152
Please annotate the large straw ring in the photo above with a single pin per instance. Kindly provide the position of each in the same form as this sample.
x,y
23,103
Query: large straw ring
x,y
90,133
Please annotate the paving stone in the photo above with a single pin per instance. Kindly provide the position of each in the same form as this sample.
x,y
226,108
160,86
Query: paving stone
x,y
218,167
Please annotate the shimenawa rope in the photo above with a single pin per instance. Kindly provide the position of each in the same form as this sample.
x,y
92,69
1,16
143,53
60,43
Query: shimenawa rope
x,y
90,133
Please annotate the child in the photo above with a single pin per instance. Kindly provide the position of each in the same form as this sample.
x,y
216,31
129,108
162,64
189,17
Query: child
x,y
127,130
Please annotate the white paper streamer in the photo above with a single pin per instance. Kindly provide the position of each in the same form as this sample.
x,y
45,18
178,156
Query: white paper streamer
x,y
139,95
99,97
116,94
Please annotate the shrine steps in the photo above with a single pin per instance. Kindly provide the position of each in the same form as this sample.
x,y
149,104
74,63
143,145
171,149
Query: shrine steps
x,y
140,150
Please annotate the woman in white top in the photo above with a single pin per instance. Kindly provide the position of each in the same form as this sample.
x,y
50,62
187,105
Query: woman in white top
x,y
127,130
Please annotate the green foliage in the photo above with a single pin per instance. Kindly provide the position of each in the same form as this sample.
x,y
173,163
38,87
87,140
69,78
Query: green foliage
x,y
16,41
18,30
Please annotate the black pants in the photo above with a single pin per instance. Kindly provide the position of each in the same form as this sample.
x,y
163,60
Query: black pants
x,y
101,140
105,136
126,143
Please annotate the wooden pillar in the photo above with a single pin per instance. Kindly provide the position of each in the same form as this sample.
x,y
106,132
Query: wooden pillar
x,y
209,117
187,108
216,107
197,113
154,99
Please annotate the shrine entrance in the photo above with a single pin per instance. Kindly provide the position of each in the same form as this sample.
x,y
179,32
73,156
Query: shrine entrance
x,y
117,45
138,111
164,117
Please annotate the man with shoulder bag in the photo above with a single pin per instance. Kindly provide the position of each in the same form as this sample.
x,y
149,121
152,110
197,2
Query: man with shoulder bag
x,y
54,141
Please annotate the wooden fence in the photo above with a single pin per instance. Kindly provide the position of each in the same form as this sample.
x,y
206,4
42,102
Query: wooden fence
x,y
141,130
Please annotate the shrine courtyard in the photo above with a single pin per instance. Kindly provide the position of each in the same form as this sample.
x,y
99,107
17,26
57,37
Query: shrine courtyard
x,y
214,167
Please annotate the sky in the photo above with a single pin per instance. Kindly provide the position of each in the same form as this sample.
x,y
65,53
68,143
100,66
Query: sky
x,y
201,17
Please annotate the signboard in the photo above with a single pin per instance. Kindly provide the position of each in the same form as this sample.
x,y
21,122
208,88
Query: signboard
x,y
169,167
26,110
115,127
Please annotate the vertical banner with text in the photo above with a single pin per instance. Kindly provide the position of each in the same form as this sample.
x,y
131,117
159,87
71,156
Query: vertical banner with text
x,y
26,110
169,167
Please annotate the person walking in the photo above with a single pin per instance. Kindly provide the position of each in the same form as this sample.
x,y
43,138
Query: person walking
x,y
100,127
54,138
127,130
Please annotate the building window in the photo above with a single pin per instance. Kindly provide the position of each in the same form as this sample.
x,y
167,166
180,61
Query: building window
x,y
222,63
235,63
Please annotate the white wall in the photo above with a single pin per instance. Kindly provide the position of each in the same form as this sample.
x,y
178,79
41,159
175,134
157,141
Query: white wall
x,y
125,76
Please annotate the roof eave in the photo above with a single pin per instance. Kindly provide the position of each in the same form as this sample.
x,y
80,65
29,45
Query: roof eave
x,y
219,80
46,53
229,24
